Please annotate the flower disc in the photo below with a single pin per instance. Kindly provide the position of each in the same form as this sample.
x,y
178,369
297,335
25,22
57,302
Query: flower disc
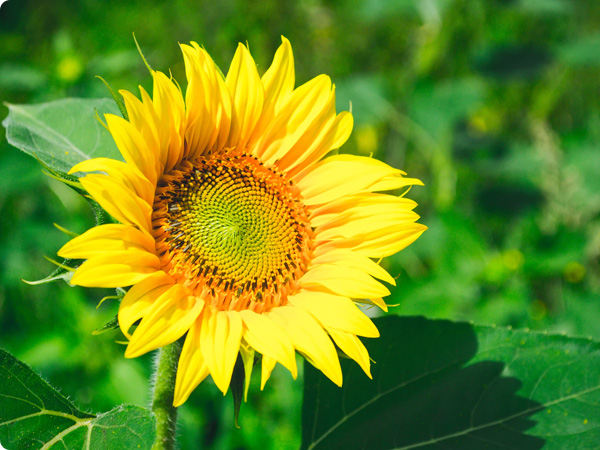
x,y
233,227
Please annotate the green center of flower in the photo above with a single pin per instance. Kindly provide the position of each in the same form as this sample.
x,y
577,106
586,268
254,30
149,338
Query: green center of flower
x,y
233,229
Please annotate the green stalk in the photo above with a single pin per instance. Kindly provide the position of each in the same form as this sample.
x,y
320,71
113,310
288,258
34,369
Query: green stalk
x,y
162,396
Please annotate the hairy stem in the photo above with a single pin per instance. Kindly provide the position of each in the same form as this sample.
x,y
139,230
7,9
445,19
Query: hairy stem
x,y
162,396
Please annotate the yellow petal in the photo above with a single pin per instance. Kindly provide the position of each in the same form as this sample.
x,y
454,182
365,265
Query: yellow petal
x,y
169,318
351,346
247,94
330,137
247,354
220,339
380,243
267,337
120,171
333,311
348,258
133,146
116,269
304,107
107,238
139,299
278,80
118,200
344,281
267,366
341,175
170,111
202,100
310,339
192,368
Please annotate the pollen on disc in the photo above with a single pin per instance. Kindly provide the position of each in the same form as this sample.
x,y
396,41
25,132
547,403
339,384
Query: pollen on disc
x,y
233,230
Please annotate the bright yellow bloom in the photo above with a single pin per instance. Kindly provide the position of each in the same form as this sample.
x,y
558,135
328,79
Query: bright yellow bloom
x,y
235,228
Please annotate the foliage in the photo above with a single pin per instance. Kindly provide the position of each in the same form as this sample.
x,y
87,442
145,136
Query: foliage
x,y
35,416
492,103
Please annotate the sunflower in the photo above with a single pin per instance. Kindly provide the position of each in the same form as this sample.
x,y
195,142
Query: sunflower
x,y
234,227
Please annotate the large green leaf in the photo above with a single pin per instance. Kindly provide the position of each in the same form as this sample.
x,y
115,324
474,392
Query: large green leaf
x,y
35,416
63,132
443,385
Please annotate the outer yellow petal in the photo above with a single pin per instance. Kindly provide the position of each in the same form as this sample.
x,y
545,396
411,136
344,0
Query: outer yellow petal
x,y
267,337
116,269
170,111
344,281
379,243
329,137
334,311
278,80
169,318
220,338
135,149
203,101
247,94
140,298
122,172
347,207
304,107
118,200
352,347
267,366
310,339
341,175
107,238
347,258
192,368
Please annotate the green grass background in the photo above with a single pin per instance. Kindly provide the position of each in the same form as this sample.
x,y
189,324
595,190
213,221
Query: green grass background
x,y
494,104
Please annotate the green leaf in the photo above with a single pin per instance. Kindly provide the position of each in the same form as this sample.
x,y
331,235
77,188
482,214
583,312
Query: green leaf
x,y
63,132
444,385
33,415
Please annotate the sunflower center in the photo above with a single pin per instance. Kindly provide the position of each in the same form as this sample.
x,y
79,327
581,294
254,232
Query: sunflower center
x,y
233,230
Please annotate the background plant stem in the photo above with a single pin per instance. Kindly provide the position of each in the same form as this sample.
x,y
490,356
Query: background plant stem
x,y
162,396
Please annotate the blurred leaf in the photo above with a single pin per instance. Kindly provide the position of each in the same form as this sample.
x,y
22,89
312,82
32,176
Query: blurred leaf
x,y
582,52
366,94
61,133
439,384
17,77
35,416
513,62
539,7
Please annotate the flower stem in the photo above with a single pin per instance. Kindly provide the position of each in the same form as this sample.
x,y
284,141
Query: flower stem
x,y
162,396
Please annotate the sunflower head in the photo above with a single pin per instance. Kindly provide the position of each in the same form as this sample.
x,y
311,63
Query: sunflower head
x,y
235,229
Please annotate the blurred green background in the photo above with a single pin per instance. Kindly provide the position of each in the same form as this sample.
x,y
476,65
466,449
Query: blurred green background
x,y
494,104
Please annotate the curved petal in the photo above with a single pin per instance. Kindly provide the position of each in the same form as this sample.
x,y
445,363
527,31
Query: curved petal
x,y
192,368
169,318
247,94
377,244
170,112
341,175
118,200
334,311
107,238
203,101
267,337
120,171
279,79
220,339
344,281
137,151
305,107
347,258
116,269
352,347
267,366
310,339
139,299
